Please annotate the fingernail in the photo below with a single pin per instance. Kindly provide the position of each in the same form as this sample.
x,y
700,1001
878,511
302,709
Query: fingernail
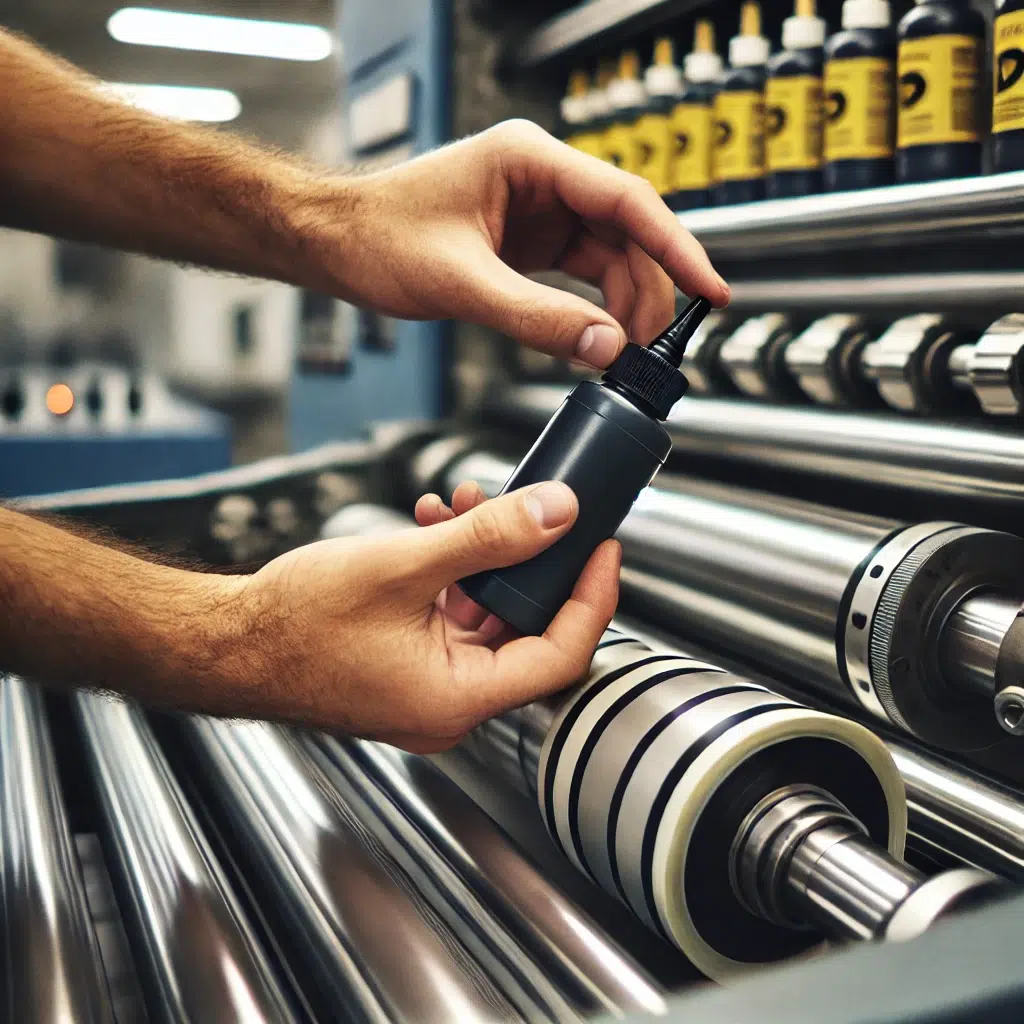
x,y
598,345
550,504
725,287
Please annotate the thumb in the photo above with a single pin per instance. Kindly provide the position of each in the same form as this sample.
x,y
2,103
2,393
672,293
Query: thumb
x,y
544,318
503,531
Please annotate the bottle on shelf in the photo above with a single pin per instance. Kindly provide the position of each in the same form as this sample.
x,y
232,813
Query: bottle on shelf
x,y
738,158
652,133
793,107
941,54
690,170
628,99
574,114
1008,88
860,99
599,108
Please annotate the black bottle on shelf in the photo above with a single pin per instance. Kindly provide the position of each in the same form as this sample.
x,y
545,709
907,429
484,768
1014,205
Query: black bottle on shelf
x,y
738,159
941,55
652,133
1008,91
793,107
690,169
860,99
606,442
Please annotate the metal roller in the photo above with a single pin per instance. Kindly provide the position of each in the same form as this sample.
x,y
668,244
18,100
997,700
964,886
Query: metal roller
x,y
881,455
533,935
54,971
196,952
363,942
919,625
752,357
739,824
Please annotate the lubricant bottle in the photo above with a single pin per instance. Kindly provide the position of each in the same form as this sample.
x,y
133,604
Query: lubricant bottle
x,y
606,441
860,99
628,99
690,170
599,109
793,107
738,157
574,115
941,53
652,133
1008,88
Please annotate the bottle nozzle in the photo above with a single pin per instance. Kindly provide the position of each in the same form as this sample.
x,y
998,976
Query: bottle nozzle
x,y
671,343
664,52
629,65
750,18
579,83
804,9
703,36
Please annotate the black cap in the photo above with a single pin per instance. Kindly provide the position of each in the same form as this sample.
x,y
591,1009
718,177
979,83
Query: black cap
x,y
652,373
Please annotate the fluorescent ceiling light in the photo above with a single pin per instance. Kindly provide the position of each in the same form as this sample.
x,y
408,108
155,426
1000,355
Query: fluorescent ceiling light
x,y
180,31
181,102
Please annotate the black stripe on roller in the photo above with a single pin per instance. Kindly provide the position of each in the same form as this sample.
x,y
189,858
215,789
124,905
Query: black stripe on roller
x,y
558,743
614,640
634,759
580,768
679,769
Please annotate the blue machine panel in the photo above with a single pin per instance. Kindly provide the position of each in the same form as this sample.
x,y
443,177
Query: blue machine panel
x,y
397,59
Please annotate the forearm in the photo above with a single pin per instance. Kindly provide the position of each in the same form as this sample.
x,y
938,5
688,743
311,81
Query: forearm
x,y
78,164
73,612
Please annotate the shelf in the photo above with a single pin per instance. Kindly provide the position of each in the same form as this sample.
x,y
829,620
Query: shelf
x,y
593,25
984,207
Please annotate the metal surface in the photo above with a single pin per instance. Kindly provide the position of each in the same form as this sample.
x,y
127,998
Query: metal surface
x,y
54,972
1009,709
560,939
365,943
972,637
984,206
881,452
199,957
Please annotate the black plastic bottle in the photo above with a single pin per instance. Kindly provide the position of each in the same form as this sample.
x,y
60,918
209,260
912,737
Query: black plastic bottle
x,y
1008,88
690,170
860,99
739,115
941,55
606,442
652,133
793,107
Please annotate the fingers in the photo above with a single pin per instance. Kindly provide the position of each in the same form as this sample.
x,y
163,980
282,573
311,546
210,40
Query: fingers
x,y
467,496
532,667
606,195
544,318
430,510
655,296
504,531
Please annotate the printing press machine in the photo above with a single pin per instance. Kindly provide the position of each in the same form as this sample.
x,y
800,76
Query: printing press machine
x,y
788,774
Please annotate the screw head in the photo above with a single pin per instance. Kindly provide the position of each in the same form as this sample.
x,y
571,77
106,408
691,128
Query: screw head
x,y
1009,709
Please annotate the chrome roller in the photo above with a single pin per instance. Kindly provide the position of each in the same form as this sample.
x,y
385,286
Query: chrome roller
x,y
195,949
919,625
825,361
994,367
752,356
54,971
701,364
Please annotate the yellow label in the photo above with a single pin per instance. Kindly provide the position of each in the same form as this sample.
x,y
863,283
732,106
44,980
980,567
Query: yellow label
x,y
587,142
860,113
739,136
1008,65
652,150
617,146
691,154
939,85
792,123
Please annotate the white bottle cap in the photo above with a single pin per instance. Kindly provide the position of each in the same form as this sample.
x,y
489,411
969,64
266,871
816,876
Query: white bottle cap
x,y
663,80
574,109
749,51
626,92
803,33
866,14
702,67
597,103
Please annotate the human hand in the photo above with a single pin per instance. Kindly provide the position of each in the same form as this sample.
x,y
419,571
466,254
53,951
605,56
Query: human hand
x,y
369,636
451,234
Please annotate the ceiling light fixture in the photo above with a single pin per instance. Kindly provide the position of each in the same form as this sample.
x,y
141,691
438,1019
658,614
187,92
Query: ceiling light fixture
x,y
178,30
181,102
